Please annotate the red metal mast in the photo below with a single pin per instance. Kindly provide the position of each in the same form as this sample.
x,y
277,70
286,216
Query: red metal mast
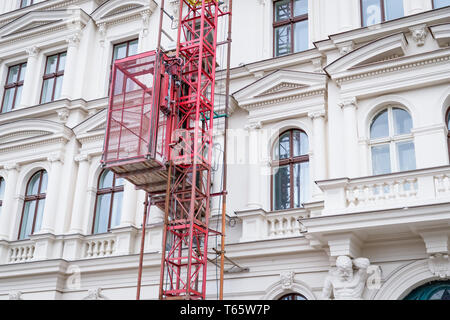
x,y
188,198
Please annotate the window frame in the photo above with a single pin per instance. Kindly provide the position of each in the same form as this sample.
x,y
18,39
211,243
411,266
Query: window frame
x,y
382,9
54,75
14,85
291,161
24,6
291,21
292,295
113,190
391,139
29,198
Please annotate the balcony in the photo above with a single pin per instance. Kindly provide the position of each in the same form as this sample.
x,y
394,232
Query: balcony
x,y
390,191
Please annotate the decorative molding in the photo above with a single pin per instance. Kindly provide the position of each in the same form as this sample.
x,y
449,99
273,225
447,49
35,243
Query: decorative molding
x,y
32,51
253,126
63,115
345,48
282,87
439,265
317,114
349,102
287,280
95,294
419,34
15,295
83,157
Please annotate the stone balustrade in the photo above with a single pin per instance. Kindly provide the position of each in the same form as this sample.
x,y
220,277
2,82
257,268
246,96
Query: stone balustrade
x,y
21,251
96,247
389,191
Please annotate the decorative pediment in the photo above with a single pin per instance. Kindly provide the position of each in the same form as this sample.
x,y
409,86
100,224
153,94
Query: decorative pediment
x,y
92,126
279,86
380,50
35,22
114,10
31,131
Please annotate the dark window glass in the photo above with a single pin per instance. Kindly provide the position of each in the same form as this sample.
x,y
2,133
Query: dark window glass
x,y
440,3
34,203
290,26
109,202
293,296
377,11
13,87
53,77
291,172
436,290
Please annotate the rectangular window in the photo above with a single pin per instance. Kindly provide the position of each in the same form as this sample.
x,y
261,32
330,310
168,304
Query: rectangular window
x,y
378,11
290,26
13,87
25,3
125,49
440,3
53,77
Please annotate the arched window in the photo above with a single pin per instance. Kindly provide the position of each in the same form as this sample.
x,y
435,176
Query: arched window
x,y
2,193
33,207
391,141
290,184
293,296
437,290
108,205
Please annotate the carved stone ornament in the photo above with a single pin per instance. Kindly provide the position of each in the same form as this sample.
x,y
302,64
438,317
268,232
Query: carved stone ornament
x,y
95,294
16,295
419,34
348,280
287,280
439,265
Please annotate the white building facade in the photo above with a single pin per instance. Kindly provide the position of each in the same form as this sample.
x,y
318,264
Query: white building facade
x,y
338,169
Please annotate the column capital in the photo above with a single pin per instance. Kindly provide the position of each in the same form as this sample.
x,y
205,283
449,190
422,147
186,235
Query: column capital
x,y
317,114
74,39
54,157
32,51
253,125
12,166
348,102
82,158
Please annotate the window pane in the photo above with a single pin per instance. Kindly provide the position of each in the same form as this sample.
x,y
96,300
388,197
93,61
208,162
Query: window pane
x,y
47,90
8,100
283,40
300,7
282,187
381,160
441,3
284,145
39,214
120,51
133,48
301,41
62,61
27,219
393,9
51,64
23,71
117,209
102,213
282,10
18,97
13,74
448,121
59,81
106,179
406,156
33,185
44,182
301,184
380,126
301,145
119,182
371,12
402,121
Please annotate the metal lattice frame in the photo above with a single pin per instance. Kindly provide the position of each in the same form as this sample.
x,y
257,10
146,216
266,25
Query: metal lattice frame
x,y
188,198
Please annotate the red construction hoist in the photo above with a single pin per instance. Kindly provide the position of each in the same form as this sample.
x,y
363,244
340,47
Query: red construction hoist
x,y
159,136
